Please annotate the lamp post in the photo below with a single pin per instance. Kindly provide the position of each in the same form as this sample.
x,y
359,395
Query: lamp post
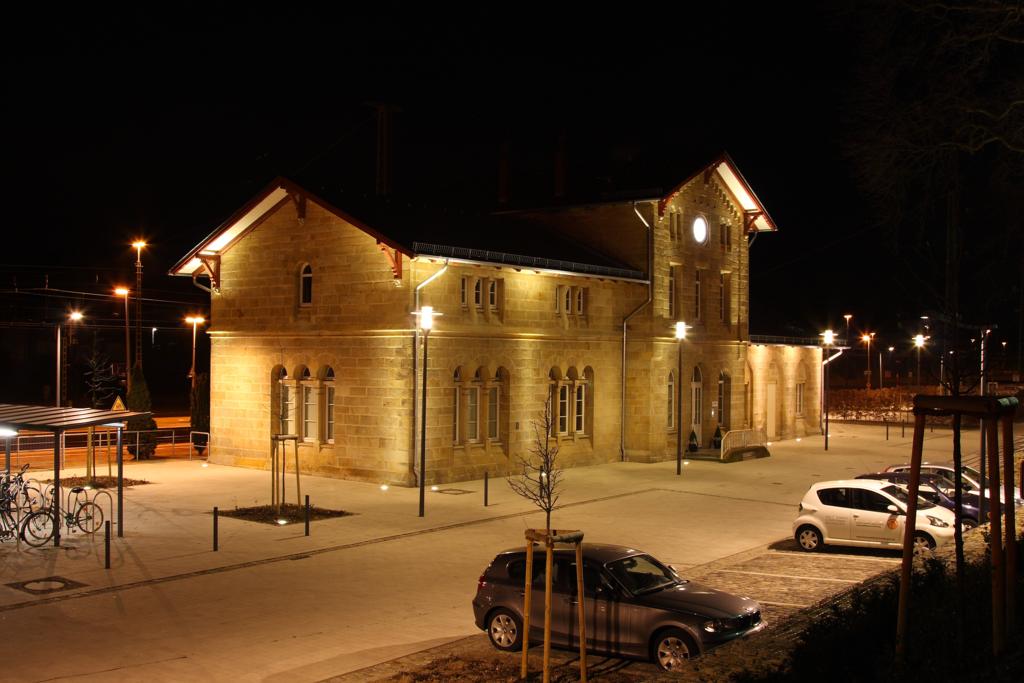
x,y
73,316
847,318
895,374
918,344
829,338
680,336
138,245
194,321
866,338
123,292
426,323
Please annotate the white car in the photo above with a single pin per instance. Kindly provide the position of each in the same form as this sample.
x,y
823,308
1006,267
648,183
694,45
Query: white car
x,y
970,476
867,513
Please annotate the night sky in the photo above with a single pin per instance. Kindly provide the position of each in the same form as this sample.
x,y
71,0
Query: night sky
x,y
161,123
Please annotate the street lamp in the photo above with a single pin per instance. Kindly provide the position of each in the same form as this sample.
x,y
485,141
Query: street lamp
x,y
919,344
123,292
426,316
680,336
866,338
847,319
829,338
74,317
896,375
138,245
194,321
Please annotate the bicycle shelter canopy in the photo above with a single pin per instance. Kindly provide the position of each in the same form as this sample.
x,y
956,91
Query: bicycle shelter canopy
x,y
58,420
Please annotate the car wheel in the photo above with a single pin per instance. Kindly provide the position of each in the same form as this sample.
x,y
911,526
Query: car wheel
x,y
923,543
505,629
671,648
809,538
969,523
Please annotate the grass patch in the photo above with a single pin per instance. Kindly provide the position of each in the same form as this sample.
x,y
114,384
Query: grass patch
x,y
96,482
291,513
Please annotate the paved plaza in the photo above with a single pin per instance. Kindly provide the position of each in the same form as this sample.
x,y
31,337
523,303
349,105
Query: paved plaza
x,y
273,604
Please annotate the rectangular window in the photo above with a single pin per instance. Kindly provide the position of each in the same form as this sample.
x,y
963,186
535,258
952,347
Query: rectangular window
x,y
721,297
567,300
492,413
800,398
286,412
558,299
473,417
580,300
579,414
478,293
492,294
671,291
697,313
329,414
308,414
563,409
455,414
671,422
463,287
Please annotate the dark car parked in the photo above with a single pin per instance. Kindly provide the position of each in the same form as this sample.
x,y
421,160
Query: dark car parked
x,y
937,489
635,606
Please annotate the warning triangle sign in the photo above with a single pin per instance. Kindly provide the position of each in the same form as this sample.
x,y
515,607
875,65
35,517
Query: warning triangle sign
x,y
118,404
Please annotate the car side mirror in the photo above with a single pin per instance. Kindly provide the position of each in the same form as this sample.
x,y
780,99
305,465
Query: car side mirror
x,y
894,510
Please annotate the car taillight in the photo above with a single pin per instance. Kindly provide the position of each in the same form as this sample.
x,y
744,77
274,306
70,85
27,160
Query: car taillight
x,y
481,583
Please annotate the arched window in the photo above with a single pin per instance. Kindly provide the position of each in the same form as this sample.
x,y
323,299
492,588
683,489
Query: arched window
x,y
286,406
697,401
554,395
671,402
586,403
309,405
478,293
328,402
306,285
279,401
801,385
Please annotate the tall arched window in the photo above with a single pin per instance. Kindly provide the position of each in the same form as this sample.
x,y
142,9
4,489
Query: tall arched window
x,y
697,403
309,405
286,404
306,285
278,401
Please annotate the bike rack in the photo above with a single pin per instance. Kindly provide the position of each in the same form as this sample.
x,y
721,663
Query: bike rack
x,y
110,503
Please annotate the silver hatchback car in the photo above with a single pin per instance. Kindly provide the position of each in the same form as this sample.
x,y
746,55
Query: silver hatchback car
x,y
635,606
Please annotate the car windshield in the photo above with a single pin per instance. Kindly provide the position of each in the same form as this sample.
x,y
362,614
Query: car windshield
x,y
641,574
901,495
973,474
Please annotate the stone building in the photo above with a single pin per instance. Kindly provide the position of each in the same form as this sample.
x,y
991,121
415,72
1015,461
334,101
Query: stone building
x,y
313,331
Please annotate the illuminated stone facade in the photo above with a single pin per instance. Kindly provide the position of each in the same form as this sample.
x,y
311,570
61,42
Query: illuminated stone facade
x,y
312,334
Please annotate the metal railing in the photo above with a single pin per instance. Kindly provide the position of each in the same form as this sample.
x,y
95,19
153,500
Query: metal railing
x,y
38,448
205,446
743,438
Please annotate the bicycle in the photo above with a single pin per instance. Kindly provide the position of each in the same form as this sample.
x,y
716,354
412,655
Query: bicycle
x,y
21,492
35,528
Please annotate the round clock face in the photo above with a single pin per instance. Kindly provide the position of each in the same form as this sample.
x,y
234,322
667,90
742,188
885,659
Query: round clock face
x,y
700,229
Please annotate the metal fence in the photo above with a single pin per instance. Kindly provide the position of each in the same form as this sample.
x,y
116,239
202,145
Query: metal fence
x,y
37,449
742,438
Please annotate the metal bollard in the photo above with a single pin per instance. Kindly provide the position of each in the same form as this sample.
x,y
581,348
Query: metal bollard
x,y
886,430
214,528
106,544
307,514
485,488
903,430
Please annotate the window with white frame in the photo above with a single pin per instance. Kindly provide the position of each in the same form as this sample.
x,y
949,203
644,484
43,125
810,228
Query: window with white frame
x,y
567,300
563,409
492,413
455,406
308,414
463,290
800,398
478,299
671,291
492,295
328,399
306,285
579,409
581,294
721,297
473,414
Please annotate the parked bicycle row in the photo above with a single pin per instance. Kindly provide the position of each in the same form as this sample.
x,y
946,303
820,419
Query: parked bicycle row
x,y
27,511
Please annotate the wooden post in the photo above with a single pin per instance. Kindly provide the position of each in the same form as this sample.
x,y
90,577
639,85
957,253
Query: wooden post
x,y
996,536
910,526
548,561
527,600
583,612
1011,522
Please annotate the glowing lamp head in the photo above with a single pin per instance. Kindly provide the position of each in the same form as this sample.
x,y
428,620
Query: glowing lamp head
x,y
847,317
75,316
8,433
680,330
891,349
919,340
138,244
866,338
195,320
121,291
829,337
427,318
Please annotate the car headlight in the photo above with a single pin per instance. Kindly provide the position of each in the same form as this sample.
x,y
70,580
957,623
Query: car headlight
x,y
721,625
935,521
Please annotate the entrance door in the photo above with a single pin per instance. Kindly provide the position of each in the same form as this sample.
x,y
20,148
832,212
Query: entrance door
x,y
697,404
771,406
